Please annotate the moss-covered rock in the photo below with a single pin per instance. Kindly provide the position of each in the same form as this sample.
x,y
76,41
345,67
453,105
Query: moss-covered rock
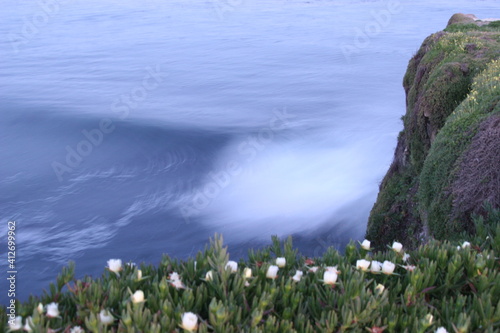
x,y
452,95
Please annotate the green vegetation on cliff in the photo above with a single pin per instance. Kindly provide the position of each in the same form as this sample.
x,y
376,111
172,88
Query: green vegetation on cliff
x,y
452,95
450,286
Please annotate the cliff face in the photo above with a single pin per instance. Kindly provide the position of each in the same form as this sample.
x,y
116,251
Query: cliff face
x,y
447,161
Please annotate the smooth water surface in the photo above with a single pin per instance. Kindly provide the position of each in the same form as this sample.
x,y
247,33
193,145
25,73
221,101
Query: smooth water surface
x,y
135,128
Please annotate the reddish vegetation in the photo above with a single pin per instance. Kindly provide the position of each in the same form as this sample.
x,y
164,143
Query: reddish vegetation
x,y
478,178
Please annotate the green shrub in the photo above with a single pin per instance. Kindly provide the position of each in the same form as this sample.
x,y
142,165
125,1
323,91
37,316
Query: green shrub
x,y
440,284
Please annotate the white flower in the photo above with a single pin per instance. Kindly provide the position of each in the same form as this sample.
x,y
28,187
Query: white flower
x,y
441,330
115,265
174,276
138,297
458,247
28,324
380,288
209,276
52,310
189,321
247,284
396,246
406,256
465,244
177,284
131,264
247,273
272,272
332,269
313,269
388,267
409,268
297,276
39,308
16,324
362,264
281,262
106,317
329,277
233,265
366,245
77,329
376,266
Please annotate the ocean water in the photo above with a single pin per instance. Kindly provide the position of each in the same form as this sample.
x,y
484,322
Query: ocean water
x,y
135,128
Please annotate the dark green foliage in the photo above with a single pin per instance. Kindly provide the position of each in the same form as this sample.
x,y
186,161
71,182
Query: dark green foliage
x,y
438,285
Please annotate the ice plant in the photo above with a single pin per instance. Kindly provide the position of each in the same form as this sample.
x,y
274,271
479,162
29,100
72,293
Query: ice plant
x,y
280,262
115,265
388,267
77,329
409,268
365,245
297,276
174,276
441,330
106,317
232,265
362,264
247,273
28,325
16,324
465,244
406,256
329,277
39,308
52,310
138,297
376,266
313,269
189,321
396,246
380,288
272,272
332,269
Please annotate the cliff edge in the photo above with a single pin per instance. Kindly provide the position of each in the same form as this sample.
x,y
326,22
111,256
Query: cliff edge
x,y
446,165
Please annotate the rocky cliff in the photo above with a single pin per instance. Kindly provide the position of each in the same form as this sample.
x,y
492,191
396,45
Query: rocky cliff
x,y
446,165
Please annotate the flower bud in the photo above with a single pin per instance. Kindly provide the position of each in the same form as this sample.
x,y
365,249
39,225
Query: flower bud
x,y
247,273
115,265
106,317
329,277
209,276
52,310
272,272
16,324
138,297
189,321
281,262
396,246
376,266
362,264
297,276
232,265
388,267
366,245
